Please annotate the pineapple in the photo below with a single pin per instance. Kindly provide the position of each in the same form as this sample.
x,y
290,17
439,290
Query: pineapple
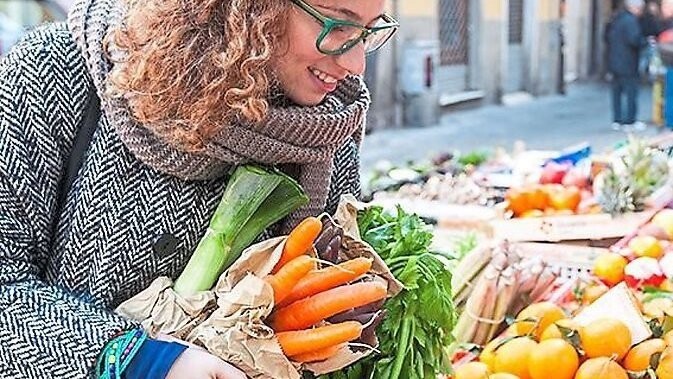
x,y
614,193
624,187
647,167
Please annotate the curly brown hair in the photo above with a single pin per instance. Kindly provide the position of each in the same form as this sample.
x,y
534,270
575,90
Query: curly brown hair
x,y
191,66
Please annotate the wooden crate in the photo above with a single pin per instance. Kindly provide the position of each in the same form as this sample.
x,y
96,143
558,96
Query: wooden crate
x,y
569,228
572,261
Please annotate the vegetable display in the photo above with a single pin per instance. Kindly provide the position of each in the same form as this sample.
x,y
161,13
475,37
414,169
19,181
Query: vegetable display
x,y
493,282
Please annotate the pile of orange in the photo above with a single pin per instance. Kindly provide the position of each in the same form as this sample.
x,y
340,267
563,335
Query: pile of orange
x,y
543,199
530,353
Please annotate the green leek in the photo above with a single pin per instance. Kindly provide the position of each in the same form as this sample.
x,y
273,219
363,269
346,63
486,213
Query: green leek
x,y
255,199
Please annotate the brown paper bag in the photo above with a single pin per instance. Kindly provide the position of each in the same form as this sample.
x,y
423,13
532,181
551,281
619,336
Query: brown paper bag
x,y
235,330
161,310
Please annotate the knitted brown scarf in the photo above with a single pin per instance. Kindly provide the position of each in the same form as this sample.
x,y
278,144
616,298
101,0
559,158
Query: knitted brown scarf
x,y
307,137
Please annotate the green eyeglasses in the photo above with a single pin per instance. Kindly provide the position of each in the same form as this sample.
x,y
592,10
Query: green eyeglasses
x,y
339,36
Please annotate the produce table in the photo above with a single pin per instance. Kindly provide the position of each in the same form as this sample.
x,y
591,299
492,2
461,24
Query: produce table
x,y
571,258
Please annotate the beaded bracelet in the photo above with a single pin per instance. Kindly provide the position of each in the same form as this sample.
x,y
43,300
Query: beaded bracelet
x,y
118,353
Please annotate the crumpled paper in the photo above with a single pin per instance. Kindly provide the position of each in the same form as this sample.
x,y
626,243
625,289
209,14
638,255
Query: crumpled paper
x,y
229,320
161,310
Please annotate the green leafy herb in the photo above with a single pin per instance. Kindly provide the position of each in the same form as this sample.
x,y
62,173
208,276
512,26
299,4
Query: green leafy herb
x,y
473,158
462,246
652,293
420,319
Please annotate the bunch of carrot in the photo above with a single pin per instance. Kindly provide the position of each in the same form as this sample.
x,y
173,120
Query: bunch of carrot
x,y
305,297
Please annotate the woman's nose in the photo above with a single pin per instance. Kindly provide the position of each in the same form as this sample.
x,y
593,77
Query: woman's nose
x,y
353,60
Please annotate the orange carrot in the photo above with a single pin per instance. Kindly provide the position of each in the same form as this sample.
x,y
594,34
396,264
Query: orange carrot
x,y
306,312
317,355
327,278
289,275
306,341
299,241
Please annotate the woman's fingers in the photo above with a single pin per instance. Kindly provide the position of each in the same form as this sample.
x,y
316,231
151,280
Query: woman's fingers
x,y
199,364
228,371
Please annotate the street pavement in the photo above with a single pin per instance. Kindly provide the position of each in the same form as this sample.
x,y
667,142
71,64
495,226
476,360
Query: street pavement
x,y
545,123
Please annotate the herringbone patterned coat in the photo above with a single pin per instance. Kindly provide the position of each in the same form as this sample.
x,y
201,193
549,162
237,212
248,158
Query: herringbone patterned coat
x,y
61,274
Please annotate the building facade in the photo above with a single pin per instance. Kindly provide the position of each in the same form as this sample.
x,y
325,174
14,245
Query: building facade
x,y
490,51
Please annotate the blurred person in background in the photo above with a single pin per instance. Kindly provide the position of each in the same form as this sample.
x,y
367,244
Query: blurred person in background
x,y
651,24
188,89
625,40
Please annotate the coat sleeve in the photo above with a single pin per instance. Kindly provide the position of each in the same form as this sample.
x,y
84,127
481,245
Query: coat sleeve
x,y
45,331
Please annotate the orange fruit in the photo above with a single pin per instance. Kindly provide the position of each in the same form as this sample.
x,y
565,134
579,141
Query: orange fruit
x,y
538,198
664,220
487,355
665,369
666,285
609,268
553,358
512,357
518,201
600,368
565,198
668,338
522,200
471,370
532,213
544,314
592,292
553,331
605,337
646,246
503,375
638,358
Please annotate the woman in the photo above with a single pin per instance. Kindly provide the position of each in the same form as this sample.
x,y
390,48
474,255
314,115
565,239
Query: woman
x,y
187,88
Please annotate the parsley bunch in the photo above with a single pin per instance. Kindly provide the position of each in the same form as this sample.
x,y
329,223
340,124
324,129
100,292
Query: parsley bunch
x,y
419,320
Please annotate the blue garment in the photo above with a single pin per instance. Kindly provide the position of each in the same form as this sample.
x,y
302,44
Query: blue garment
x,y
624,85
624,40
668,98
154,360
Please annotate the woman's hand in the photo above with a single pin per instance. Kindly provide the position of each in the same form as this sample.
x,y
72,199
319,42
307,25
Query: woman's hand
x,y
196,363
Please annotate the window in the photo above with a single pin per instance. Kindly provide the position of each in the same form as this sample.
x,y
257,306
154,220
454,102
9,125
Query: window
x,y
515,21
453,33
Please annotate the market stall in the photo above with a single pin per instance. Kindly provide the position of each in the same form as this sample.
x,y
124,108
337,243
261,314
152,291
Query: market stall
x,y
549,265
571,274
